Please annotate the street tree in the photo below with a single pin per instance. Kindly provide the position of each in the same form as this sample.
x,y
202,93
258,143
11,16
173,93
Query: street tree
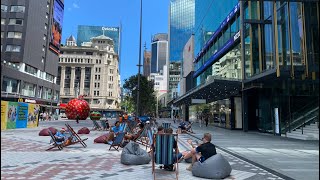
x,y
147,95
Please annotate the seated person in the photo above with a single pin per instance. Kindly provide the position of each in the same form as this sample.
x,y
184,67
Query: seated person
x,y
60,136
114,131
182,125
202,152
135,132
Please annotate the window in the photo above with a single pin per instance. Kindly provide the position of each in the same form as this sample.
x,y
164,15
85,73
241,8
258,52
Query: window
x,y
97,93
44,37
98,77
4,8
3,21
28,89
111,71
15,22
110,86
30,69
94,93
2,34
98,85
13,48
95,77
10,85
16,35
49,77
17,9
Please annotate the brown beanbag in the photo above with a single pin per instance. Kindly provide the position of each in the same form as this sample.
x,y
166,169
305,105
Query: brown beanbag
x,y
44,132
101,139
53,130
84,130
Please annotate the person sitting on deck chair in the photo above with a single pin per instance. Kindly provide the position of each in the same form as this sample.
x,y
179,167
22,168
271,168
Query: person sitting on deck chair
x,y
136,132
114,131
60,136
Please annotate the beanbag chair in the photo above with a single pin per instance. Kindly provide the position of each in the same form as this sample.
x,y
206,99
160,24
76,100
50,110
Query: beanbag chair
x,y
101,139
132,154
216,167
44,132
53,130
84,130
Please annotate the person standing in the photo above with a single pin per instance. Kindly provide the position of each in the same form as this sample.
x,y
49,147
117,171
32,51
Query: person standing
x,y
77,119
206,119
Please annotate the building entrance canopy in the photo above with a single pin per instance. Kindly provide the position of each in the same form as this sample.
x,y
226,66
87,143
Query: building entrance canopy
x,y
216,88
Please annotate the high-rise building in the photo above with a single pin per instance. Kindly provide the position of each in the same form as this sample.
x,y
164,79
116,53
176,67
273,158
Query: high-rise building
x,y
181,28
91,71
159,52
85,33
146,63
30,45
258,66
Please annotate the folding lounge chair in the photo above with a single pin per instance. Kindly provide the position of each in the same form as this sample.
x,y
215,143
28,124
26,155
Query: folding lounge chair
x,y
189,127
117,141
141,139
163,151
149,138
59,145
103,124
75,137
96,126
166,125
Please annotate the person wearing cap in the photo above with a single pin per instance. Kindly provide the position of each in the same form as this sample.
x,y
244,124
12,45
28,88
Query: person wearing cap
x,y
60,136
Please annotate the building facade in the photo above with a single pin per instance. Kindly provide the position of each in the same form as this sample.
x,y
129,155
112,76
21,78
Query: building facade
x,y
146,63
90,71
266,77
30,45
159,52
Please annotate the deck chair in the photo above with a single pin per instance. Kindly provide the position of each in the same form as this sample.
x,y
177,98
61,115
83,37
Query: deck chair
x,y
141,139
166,125
189,127
56,144
96,126
103,124
75,137
117,141
149,138
163,151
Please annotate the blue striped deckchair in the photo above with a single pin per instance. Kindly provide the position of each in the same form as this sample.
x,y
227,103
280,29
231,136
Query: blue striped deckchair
x,y
163,151
166,125
59,145
117,141
123,126
96,126
76,138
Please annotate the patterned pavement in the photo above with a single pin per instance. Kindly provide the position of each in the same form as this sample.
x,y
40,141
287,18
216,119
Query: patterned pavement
x,y
23,156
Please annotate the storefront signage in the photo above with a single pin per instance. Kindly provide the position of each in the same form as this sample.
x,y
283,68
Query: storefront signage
x,y
198,101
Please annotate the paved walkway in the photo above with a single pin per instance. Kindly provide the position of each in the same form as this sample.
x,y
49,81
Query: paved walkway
x,y
297,159
23,156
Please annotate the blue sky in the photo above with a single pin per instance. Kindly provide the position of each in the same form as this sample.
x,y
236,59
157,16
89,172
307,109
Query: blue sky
x,y
111,13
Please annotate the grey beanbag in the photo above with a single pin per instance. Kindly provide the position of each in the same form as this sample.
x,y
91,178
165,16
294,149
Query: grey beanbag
x,y
132,154
216,167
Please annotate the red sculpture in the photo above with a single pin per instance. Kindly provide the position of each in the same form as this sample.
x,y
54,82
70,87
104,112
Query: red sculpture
x,y
78,107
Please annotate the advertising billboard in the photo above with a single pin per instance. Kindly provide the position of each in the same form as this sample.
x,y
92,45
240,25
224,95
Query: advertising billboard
x,y
56,32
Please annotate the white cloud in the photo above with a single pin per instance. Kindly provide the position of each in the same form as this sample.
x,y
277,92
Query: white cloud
x,y
75,5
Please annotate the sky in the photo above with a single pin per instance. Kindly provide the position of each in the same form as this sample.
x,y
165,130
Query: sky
x,y
111,13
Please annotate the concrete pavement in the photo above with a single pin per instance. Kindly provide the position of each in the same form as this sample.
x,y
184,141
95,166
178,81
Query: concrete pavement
x,y
23,156
297,159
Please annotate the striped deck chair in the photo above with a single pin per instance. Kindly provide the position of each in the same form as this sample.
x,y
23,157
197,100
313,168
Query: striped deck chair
x,y
117,141
59,145
96,126
103,124
163,151
149,138
166,125
141,139
75,137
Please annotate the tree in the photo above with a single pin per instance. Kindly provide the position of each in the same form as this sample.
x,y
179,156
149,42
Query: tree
x,y
147,96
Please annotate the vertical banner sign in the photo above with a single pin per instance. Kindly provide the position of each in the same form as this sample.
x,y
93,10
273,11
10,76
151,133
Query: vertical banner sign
x,y
4,114
12,115
22,118
33,115
276,120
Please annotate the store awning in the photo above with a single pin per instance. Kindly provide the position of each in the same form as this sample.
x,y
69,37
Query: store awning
x,y
216,88
62,105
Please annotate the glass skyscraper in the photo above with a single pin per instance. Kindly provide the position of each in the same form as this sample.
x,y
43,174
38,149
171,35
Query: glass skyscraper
x,y
87,32
181,26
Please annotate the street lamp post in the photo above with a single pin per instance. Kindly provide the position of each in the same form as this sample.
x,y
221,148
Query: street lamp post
x,y
139,65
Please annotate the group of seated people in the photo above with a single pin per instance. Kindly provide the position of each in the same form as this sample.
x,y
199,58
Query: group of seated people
x,y
184,127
